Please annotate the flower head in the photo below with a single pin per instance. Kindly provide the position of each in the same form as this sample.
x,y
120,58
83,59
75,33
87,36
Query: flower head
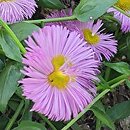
x,y
102,44
60,73
123,19
16,10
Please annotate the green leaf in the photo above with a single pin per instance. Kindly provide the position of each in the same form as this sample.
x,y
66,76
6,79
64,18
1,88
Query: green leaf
x,y
29,125
75,127
26,114
8,84
128,83
121,67
102,84
52,4
3,122
22,30
58,125
119,111
100,105
1,65
98,124
9,47
88,9
1,51
103,117
19,92
13,105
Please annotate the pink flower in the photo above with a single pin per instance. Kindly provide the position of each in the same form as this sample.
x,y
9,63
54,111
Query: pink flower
x,y
102,44
12,11
123,19
60,73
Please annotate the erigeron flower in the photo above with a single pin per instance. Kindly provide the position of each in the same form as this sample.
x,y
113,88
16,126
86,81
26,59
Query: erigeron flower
x,y
12,11
101,43
123,19
60,73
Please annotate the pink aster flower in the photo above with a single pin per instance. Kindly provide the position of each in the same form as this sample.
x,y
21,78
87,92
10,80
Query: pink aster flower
x,y
102,44
16,10
60,73
123,19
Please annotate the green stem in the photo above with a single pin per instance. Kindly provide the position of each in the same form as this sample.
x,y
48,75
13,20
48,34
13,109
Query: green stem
x,y
48,122
52,20
91,104
13,36
109,18
13,119
118,79
122,11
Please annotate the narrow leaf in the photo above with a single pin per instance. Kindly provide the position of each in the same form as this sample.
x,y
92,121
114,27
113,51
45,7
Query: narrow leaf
x,y
22,30
8,84
52,4
119,111
103,117
128,83
30,125
121,67
9,47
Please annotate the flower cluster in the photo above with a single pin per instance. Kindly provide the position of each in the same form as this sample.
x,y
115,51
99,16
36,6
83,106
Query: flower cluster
x,y
61,65
62,59
102,44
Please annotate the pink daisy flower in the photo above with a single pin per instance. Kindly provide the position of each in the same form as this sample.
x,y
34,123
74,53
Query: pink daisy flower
x,y
16,10
60,73
102,44
123,19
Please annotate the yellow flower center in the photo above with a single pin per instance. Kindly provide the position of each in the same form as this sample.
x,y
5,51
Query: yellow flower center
x,y
123,4
57,78
58,61
90,37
